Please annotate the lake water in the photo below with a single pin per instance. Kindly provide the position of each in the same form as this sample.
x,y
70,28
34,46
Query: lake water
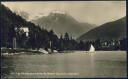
x,y
72,65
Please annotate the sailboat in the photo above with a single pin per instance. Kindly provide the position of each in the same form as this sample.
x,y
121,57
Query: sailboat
x,y
92,49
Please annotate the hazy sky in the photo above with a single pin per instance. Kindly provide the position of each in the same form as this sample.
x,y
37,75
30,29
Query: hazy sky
x,y
95,12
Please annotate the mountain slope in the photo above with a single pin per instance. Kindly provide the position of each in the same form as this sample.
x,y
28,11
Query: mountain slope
x,y
62,23
110,30
9,21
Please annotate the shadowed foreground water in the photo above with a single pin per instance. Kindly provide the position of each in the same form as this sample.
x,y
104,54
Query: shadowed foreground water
x,y
79,64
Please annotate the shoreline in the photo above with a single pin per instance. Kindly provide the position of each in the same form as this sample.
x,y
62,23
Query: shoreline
x,y
41,53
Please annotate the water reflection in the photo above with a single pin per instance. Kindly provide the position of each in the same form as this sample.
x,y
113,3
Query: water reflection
x,y
7,66
99,64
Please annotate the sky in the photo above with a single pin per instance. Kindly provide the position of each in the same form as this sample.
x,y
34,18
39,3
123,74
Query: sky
x,y
94,12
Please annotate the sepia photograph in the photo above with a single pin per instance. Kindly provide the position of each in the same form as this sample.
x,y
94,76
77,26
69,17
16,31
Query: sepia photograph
x,y
63,39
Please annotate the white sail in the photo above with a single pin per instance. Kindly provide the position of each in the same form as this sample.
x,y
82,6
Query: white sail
x,y
92,49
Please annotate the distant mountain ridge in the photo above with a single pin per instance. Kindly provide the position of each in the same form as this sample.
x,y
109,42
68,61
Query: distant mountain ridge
x,y
63,22
110,30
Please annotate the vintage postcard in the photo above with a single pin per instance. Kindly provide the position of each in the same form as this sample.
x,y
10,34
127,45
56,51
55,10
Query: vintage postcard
x,y
63,39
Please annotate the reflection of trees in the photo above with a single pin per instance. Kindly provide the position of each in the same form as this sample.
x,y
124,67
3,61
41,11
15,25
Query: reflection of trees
x,y
7,66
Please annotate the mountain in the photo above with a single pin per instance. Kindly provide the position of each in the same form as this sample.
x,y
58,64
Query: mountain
x,y
10,20
110,30
62,23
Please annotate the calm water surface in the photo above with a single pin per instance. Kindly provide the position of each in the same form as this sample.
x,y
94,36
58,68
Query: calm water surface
x,y
79,64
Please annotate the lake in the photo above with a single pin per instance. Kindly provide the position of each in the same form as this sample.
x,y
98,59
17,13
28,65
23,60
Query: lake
x,y
101,64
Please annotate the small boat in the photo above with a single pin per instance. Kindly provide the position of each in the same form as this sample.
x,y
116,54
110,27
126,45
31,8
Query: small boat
x,y
92,49
52,51
55,51
43,51
5,54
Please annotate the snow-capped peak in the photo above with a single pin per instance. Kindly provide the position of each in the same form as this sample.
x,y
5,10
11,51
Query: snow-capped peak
x,y
58,11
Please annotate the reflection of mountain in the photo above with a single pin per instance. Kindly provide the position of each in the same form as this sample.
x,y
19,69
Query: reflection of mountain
x,y
111,30
62,23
